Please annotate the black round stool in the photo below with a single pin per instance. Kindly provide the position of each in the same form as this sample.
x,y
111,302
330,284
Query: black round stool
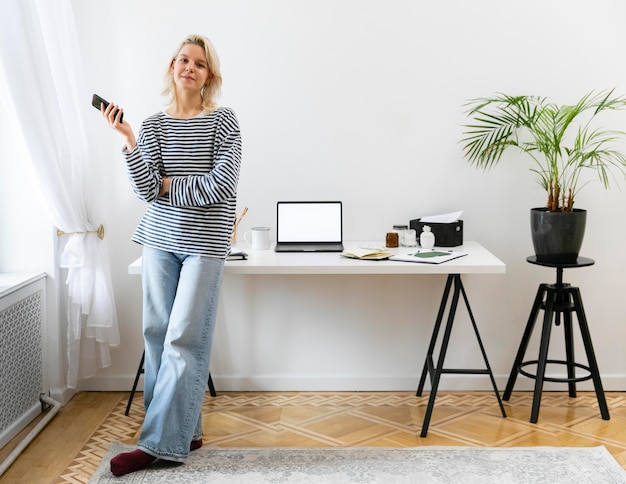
x,y
556,300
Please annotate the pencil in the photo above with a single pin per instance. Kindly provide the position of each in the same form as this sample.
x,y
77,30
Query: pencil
x,y
245,210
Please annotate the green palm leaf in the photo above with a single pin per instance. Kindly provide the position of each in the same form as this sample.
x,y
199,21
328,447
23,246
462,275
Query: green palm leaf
x,y
543,130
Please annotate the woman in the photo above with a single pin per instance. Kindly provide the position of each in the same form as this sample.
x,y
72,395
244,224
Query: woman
x,y
185,165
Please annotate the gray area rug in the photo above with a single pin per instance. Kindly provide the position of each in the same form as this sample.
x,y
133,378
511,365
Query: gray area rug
x,y
371,465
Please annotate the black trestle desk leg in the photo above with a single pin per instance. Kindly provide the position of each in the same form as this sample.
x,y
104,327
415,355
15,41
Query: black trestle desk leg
x,y
211,386
429,365
482,351
137,375
435,372
436,376
140,370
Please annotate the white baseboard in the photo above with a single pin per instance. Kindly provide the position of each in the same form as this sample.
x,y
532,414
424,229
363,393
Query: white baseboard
x,y
62,395
17,426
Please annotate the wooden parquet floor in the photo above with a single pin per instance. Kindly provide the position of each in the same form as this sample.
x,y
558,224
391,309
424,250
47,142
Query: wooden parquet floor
x,y
338,419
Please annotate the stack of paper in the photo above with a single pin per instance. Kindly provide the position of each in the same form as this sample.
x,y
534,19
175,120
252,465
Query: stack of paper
x,y
444,218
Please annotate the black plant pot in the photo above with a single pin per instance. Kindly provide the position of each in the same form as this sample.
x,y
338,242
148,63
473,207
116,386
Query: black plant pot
x,y
557,236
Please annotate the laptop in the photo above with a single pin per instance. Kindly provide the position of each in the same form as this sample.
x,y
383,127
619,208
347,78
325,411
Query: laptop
x,y
309,227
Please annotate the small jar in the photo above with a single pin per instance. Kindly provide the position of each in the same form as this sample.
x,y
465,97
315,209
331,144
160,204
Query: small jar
x,y
391,240
410,238
427,238
401,229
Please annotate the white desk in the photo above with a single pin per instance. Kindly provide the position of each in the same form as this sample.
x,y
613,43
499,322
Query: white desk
x,y
477,261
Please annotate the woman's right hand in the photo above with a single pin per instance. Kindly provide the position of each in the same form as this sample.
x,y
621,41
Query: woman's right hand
x,y
113,114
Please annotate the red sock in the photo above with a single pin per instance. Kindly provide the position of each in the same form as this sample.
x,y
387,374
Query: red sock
x,y
128,462
195,444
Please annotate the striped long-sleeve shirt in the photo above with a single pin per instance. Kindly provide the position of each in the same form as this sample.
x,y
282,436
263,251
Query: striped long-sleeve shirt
x,y
202,155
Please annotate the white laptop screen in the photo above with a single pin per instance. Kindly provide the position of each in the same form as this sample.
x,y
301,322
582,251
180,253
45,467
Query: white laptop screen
x,y
308,222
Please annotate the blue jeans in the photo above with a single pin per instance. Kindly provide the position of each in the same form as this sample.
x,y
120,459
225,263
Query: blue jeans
x,y
180,295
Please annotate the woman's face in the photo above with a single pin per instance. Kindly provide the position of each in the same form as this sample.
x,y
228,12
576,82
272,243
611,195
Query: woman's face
x,y
190,68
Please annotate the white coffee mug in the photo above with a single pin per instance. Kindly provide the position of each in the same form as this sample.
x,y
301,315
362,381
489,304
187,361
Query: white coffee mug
x,y
258,238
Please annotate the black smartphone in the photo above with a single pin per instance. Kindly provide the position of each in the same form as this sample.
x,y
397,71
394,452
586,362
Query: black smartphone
x,y
96,101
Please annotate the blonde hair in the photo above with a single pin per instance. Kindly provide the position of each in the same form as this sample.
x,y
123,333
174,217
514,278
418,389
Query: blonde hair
x,y
211,91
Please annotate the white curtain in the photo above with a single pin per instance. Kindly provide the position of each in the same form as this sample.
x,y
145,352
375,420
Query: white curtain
x,y
41,78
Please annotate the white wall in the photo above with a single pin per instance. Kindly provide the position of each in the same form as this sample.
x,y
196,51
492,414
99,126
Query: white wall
x,y
362,101
27,238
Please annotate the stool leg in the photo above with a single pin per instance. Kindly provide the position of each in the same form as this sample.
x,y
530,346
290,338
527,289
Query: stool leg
x,y
591,356
532,319
543,354
569,349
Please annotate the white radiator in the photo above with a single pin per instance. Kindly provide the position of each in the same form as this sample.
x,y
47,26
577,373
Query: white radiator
x,y
22,318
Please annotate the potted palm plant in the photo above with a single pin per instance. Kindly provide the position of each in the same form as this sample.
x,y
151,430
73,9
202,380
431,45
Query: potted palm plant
x,y
562,142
